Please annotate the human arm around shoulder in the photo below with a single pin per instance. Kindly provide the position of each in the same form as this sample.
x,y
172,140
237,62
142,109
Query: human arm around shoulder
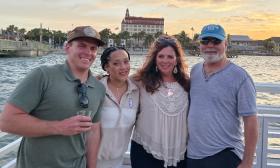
x,y
92,144
93,137
135,80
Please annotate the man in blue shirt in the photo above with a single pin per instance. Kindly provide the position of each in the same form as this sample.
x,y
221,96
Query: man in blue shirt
x,y
221,94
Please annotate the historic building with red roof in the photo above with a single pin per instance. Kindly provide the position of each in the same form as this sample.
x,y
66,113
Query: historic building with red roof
x,y
134,24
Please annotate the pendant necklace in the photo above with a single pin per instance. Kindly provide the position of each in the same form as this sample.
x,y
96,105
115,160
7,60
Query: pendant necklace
x,y
169,92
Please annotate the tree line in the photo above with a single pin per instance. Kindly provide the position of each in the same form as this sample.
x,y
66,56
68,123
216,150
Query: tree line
x,y
143,39
53,37
57,38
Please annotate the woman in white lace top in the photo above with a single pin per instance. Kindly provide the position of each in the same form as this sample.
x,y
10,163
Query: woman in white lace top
x,y
160,134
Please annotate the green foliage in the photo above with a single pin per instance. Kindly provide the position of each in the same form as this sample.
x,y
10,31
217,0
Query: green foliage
x,y
57,37
116,38
148,40
183,38
269,45
105,35
141,39
195,37
124,35
158,34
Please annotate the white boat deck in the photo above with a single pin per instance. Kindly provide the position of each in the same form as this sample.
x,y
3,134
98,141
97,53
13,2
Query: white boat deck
x,y
268,148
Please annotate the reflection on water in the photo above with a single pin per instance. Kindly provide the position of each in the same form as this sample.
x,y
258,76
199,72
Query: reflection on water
x,y
262,69
12,70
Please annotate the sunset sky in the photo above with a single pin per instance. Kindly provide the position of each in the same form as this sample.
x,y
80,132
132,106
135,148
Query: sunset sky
x,y
259,19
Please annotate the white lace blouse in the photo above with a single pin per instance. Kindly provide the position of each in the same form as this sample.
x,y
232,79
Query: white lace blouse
x,y
161,127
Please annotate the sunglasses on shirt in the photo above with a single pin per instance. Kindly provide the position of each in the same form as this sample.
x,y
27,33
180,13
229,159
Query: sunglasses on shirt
x,y
206,41
82,93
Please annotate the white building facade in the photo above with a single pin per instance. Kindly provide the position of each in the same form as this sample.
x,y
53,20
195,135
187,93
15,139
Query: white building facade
x,y
134,25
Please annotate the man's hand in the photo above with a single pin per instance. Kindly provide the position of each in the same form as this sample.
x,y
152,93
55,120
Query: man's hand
x,y
73,125
16,121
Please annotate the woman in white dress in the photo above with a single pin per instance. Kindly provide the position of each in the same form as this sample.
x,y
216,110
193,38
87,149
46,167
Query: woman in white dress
x,y
119,108
160,134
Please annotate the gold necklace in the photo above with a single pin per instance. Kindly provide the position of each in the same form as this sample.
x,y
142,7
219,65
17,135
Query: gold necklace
x,y
119,90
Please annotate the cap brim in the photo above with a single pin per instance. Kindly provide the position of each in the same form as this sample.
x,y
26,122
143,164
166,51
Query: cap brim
x,y
211,35
99,42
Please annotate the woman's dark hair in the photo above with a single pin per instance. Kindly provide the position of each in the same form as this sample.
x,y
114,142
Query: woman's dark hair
x,y
105,56
148,73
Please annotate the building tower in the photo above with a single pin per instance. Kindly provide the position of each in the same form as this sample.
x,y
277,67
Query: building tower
x,y
127,13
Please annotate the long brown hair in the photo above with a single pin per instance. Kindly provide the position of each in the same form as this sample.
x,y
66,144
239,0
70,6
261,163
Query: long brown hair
x,y
148,74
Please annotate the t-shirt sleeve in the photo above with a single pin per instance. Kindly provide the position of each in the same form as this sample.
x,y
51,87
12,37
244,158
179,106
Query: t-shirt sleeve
x,y
29,91
247,98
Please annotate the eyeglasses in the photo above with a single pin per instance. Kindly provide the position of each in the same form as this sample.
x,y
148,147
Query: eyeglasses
x,y
214,41
166,39
82,93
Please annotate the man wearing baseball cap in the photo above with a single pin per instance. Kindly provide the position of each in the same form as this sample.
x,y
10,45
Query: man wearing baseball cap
x,y
221,94
57,109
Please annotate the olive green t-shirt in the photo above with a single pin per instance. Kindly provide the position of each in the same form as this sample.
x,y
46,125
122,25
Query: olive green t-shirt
x,y
50,93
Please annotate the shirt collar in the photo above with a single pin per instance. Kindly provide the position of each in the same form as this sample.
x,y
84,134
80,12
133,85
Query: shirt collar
x,y
91,81
131,85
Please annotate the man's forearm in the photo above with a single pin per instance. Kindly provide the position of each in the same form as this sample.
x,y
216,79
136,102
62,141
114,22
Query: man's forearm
x,y
251,137
16,121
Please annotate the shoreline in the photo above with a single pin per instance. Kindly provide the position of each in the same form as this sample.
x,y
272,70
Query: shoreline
x,y
143,52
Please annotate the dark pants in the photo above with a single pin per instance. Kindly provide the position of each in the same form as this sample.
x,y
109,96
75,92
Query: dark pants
x,y
223,159
141,159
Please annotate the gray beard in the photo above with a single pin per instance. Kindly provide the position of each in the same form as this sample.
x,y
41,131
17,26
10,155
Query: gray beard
x,y
209,58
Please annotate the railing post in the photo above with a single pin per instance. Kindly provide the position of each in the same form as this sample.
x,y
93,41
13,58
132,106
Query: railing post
x,y
260,143
264,142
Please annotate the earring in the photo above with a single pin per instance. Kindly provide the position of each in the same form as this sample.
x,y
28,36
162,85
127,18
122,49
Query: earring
x,y
156,69
175,70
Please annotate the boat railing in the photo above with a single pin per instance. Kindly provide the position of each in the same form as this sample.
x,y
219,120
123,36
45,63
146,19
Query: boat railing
x,y
267,155
267,152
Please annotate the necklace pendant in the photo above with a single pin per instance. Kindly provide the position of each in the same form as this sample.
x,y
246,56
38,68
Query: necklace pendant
x,y
130,103
170,92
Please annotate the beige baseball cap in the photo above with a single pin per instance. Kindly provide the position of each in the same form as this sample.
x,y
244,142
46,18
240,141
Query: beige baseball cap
x,y
84,31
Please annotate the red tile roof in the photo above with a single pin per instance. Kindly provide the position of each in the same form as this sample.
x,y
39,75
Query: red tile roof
x,y
143,21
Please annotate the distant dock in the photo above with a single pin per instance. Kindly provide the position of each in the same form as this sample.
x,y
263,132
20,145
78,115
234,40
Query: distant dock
x,y
23,48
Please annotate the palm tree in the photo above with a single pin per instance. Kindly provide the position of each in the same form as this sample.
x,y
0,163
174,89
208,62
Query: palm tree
x,y
105,35
33,34
183,39
141,36
135,36
125,35
11,30
157,34
269,45
148,40
195,37
21,33
116,38
58,37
